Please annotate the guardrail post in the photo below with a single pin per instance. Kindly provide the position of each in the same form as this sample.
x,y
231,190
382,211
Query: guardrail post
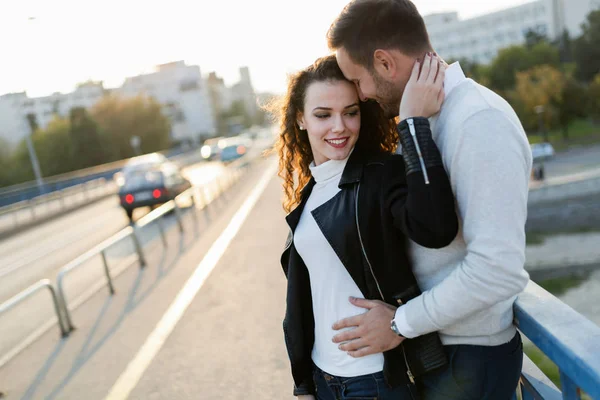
x,y
44,283
195,212
32,206
107,272
138,248
161,229
63,301
570,390
178,216
202,191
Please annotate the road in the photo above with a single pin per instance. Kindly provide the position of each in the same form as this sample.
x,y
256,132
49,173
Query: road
x,y
229,343
573,161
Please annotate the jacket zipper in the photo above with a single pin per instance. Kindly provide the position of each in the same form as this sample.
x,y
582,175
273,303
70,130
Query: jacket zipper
x,y
413,133
362,246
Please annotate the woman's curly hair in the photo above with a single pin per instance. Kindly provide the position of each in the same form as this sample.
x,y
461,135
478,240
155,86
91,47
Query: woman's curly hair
x,y
377,133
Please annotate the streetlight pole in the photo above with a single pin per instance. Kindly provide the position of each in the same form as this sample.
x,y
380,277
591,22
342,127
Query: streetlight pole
x,y
32,154
34,160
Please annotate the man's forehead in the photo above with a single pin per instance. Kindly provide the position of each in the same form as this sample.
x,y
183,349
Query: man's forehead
x,y
348,67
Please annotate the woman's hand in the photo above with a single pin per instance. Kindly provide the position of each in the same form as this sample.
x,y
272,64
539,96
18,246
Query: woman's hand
x,y
306,397
424,92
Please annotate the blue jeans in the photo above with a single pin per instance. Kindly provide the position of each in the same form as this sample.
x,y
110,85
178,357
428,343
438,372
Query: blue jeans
x,y
371,386
476,372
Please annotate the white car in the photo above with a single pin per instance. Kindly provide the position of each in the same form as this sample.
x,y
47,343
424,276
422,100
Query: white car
x,y
542,151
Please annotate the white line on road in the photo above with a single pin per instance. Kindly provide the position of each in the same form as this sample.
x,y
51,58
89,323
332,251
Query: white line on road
x,y
136,368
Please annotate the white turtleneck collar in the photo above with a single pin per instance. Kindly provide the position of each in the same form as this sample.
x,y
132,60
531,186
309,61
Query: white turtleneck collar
x,y
328,170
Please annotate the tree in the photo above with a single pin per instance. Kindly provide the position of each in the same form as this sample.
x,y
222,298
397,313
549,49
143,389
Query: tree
x,y
54,148
518,59
540,86
594,99
122,118
573,104
86,143
236,117
533,37
5,167
586,48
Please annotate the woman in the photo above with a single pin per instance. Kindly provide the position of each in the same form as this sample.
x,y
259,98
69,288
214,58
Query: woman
x,y
352,206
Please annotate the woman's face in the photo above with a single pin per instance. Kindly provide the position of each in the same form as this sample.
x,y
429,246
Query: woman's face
x,y
331,118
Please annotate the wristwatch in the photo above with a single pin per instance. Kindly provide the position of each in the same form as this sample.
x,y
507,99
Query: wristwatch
x,y
395,328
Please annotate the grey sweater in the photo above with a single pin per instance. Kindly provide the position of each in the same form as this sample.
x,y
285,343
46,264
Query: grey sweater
x,y
469,287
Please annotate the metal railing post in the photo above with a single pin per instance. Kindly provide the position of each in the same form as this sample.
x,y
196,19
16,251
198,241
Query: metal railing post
x,y
107,271
20,297
178,216
138,248
161,229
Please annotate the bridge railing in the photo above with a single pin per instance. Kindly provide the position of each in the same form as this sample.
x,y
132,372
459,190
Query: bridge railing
x,y
569,339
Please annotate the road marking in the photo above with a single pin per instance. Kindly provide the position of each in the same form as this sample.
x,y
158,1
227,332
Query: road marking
x,y
136,368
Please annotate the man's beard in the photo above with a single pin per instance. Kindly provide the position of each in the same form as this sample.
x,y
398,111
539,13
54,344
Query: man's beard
x,y
388,96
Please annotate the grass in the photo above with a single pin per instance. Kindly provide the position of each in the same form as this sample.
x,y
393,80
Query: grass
x,y
581,132
546,365
559,286
536,238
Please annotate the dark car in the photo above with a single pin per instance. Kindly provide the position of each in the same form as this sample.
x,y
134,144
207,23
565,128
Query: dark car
x,y
149,180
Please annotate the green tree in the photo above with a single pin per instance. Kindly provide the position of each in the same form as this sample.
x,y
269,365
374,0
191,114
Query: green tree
x,y
533,37
5,165
594,99
54,148
122,118
573,103
509,61
586,48
236,115
86,143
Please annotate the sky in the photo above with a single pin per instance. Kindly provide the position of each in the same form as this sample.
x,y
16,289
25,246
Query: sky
x,y
71,41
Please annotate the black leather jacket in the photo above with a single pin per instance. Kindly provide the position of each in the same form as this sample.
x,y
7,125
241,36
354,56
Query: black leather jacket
x,y
367,224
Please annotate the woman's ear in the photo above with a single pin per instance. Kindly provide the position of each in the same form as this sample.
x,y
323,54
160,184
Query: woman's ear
x,y
300,122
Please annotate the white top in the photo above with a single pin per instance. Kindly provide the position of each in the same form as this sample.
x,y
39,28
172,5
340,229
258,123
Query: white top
x,y
470,286
330,283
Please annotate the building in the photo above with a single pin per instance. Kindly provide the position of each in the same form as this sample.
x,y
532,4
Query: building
x,y
184,96
192,103
223,97
479,39
17,108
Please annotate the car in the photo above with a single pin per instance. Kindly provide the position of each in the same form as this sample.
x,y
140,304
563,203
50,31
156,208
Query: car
x,y
149,181
542,151
212,148
235,147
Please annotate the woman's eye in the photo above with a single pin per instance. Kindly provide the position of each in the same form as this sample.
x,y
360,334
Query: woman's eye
x,y
353,113
322,116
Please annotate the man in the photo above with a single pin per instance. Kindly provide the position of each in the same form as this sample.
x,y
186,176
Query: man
x,y
470,286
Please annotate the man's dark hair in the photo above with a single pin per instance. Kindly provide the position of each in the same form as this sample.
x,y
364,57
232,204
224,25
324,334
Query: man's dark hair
x,y
364,26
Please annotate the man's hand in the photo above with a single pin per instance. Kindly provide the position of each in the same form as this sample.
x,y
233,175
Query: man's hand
x,y
306,397
372,333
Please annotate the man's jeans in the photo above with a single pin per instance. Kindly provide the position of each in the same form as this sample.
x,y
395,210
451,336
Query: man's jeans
x,y
476,372
372,387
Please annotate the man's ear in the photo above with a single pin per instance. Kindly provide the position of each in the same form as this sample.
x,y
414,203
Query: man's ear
x,y
385,64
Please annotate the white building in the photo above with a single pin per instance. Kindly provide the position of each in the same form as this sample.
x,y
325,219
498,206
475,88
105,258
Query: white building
x,y
479,39
15,107
191,102
184,96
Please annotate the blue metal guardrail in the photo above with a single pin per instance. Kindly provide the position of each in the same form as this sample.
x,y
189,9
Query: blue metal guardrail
x,y
570,340
29,190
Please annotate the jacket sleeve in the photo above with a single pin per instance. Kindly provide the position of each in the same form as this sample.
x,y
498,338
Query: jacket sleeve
x,y
419,195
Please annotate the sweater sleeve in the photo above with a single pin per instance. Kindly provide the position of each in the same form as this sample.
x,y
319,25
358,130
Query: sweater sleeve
x,y
489,170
